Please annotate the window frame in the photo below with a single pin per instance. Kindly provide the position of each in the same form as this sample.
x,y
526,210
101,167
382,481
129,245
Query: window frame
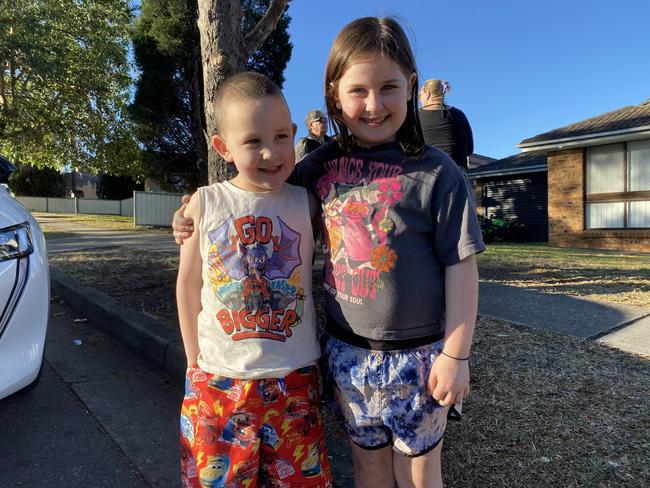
x,y
613,197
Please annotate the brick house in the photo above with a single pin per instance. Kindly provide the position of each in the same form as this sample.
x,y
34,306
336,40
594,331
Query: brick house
x,y
599,180
514,188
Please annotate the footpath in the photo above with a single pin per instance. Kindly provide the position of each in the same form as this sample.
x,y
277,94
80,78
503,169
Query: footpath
x,y
623,327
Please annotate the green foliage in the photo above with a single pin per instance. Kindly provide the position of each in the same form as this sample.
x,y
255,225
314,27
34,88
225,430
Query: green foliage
x,y
274,54
501,230
167,97
167,109
30,181
64,84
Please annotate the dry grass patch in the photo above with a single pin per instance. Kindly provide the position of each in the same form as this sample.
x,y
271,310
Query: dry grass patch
x,y
606,276
145,281
550,410
97,221
546,410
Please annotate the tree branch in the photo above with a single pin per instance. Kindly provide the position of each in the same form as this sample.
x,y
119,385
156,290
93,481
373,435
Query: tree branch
x,y
258,34
3,99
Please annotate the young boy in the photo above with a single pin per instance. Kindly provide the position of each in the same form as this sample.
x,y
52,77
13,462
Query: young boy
x,y
250,416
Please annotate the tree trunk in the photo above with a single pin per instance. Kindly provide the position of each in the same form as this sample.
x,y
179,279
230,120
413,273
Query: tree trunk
x,y
201,139
219,25
225,52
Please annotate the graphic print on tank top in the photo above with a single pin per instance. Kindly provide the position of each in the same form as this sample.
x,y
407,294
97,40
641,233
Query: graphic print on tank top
x,y
357,197
253,269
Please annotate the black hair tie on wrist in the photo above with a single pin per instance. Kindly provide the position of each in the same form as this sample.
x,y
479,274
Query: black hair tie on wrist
x,y
454,357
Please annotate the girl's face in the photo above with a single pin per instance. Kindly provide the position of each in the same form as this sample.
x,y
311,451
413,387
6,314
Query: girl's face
x,y
372,95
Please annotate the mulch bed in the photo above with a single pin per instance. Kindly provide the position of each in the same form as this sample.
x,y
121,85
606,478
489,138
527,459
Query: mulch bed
x,y
546,410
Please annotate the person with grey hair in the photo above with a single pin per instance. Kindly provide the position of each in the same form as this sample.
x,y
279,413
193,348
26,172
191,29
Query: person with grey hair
x,y
316,122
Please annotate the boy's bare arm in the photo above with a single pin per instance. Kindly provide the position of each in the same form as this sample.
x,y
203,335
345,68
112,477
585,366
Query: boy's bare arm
x,y
188,287
449,378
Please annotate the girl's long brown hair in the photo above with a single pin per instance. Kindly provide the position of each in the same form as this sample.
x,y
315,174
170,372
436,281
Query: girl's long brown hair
x,y
365,37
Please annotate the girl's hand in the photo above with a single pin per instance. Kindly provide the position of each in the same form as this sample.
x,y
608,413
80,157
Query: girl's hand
x,y
448,380
183,227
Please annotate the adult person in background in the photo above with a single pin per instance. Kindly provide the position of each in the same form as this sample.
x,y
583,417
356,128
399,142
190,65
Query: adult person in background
x,y
444,126
316,122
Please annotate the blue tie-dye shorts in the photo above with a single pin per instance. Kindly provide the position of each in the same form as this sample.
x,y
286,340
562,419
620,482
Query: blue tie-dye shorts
x,y
381,396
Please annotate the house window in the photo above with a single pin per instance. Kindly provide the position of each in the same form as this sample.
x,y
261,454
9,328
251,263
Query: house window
x,y
618,186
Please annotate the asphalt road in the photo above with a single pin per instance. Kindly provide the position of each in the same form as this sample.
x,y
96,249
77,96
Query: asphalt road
x,y
100,417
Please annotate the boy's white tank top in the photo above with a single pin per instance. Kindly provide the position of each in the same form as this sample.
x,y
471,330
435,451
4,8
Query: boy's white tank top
x,y
257,318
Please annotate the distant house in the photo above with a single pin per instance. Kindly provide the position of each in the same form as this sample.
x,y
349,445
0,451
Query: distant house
x,y
478,160
81,185
514,188
598,180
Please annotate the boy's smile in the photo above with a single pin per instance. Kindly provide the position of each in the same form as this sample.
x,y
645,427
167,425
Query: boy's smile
x,y
257,136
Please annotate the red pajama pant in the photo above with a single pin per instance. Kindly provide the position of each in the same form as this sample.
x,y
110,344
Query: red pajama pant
x,y
249,433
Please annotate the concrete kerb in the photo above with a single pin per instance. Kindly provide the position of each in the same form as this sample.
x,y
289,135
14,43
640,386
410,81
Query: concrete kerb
x,y
153,339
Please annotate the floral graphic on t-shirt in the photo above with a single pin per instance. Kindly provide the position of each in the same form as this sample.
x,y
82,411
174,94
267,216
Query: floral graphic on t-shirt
x,y
390,192
357,212
383,259
382,224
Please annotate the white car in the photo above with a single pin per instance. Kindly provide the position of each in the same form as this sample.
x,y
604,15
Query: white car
x,y
24,296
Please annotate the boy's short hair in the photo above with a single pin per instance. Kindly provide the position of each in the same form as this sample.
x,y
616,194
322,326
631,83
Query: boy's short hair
x,y
246,85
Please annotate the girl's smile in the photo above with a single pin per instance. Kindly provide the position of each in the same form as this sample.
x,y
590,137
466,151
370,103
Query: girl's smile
x,y
372,95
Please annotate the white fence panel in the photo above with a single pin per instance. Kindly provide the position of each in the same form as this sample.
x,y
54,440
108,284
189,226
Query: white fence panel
x,y
34,204
155,208
60,205
105,207
127,207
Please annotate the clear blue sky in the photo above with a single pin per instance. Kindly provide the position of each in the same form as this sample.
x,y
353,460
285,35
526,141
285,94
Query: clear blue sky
x,y
517,67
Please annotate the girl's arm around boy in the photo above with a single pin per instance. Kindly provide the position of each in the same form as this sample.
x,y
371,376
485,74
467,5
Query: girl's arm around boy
x,y
449,377
188,286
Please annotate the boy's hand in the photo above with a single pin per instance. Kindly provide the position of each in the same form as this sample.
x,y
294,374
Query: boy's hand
x,y
448,380
183,227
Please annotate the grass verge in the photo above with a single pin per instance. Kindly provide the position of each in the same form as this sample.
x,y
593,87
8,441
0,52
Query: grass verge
x,y
607,276
50,222
545,411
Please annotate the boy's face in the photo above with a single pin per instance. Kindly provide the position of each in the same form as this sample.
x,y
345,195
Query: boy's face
x,y
257,136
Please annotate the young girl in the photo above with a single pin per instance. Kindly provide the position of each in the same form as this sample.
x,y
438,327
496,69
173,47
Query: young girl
x,y
401,280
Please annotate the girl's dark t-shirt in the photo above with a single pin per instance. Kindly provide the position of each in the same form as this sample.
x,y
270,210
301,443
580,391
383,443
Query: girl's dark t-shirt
x,y
392,225
449,130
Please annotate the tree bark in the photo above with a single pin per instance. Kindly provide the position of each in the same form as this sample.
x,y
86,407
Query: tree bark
x,y
225,51
201,139
258,34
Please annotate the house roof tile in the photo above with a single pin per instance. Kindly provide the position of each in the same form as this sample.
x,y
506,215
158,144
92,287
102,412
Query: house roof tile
x,y
478,160
624,118
517,163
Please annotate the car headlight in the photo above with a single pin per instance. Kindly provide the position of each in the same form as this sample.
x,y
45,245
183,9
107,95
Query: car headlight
x,y
16,242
